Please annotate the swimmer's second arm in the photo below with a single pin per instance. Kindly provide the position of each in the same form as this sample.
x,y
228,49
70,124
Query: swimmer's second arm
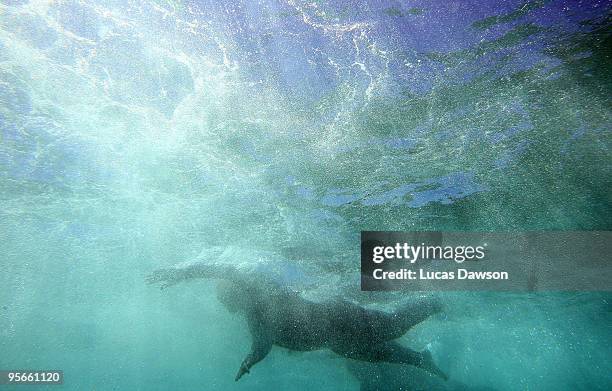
x,y
261,346
167,277
257,354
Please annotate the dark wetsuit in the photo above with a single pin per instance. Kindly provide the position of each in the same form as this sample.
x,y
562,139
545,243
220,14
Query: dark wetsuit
x,y
278,317
345,328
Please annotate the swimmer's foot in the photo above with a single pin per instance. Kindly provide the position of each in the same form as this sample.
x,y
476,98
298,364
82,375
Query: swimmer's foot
x,y
429,365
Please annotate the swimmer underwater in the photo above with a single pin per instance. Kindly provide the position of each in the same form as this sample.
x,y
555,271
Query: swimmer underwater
x,y
278,316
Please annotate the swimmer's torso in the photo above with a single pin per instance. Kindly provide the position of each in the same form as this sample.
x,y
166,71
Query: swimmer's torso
x,y
298,324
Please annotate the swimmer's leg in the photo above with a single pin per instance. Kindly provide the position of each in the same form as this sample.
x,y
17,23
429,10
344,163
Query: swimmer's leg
x,y
393,352
411,314
418,310
380,326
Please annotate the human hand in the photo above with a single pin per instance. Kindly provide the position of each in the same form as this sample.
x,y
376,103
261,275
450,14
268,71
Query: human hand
x,y
166,277
244,368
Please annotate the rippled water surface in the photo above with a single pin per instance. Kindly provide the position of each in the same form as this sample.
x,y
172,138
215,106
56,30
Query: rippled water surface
x,y
138,134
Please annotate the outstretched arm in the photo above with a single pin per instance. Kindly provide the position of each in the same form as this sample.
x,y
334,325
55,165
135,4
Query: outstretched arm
x,y
261,345
167,277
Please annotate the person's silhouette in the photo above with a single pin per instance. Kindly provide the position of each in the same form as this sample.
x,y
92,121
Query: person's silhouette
x,y
279,317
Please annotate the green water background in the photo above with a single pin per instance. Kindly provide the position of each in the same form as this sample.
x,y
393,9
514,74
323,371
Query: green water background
x,y
138,139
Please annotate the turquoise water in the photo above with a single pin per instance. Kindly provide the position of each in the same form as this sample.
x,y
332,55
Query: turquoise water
x,y
136,135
